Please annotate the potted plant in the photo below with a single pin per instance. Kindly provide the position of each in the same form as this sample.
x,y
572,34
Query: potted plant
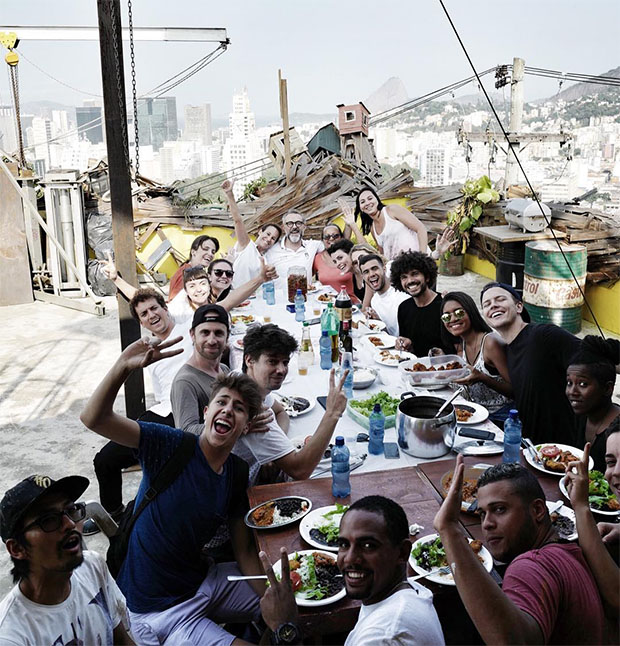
x,y
476,193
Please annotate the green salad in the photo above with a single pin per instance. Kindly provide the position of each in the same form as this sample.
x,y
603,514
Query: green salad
x,y
430,555
388,404
601,496
328,528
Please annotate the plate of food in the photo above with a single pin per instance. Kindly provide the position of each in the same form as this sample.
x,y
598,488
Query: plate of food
x,y
379,340
326,298
392,358
238,343
470,413
315,577
278,512
360,409
470,486
295,405
428,554
563,521
555,457
601,499
320,527
244,304
243,319
366,326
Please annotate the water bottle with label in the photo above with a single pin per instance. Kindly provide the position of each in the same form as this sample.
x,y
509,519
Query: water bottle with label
x,y
269,292
512,438
325,346
376,431
341,485
300,306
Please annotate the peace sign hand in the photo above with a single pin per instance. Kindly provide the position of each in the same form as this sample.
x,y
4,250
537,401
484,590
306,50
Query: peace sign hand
x,y
336,401
278,604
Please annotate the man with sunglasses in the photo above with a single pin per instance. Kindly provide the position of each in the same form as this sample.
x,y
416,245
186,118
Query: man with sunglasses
x,y
419,317
63,594
293,250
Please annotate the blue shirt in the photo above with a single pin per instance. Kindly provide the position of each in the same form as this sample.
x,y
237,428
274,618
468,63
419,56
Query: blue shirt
x,y
163,564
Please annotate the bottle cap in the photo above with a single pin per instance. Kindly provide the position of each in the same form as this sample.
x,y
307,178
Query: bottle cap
x,y
305,323
340,441
324,333
376,408
514,413
299,291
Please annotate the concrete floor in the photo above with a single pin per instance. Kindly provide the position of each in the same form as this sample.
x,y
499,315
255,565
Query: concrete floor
x,y
51,361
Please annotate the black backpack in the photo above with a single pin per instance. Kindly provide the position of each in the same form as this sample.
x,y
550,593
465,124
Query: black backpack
x,y
119,543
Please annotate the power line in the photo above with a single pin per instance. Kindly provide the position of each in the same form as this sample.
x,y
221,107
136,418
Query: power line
x,y
225,173
533,192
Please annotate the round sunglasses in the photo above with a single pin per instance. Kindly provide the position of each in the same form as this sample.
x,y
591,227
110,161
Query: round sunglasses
x,y
458,315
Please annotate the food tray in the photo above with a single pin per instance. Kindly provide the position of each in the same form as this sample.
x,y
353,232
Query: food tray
x,y
362,420
434,378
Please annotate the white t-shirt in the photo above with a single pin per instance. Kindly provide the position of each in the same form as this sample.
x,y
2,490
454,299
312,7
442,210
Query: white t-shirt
x,y
405,618
282,257
163,372
246,264
386,306
180,307
261,448
94,608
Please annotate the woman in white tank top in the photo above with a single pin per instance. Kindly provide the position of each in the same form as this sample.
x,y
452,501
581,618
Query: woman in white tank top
x,y
393,227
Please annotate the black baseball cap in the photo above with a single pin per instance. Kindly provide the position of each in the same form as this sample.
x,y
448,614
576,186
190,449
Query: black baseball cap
x,y
212,313
525,315
18,500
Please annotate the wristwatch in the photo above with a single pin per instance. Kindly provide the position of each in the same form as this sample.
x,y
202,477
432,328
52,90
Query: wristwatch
x,y
287,633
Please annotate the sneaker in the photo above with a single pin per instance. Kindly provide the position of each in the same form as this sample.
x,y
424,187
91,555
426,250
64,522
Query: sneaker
x,y
90,527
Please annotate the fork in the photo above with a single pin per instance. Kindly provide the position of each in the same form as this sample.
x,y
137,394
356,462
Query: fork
x,y
442,570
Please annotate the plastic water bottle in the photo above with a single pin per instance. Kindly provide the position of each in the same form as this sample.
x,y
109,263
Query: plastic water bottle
x,y
300,306
269,292
376,430
512,438
341,485
347,364
331,323
325,346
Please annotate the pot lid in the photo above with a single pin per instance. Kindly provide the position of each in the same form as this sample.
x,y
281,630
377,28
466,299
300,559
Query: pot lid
x,y
479,447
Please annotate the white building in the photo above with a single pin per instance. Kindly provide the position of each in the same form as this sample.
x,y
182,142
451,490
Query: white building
x,y
198,124
8,138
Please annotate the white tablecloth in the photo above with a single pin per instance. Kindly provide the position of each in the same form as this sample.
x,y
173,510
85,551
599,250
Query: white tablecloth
x,y
316,383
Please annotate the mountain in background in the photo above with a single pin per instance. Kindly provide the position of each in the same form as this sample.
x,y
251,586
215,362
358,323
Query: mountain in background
x,y
584,89
391,94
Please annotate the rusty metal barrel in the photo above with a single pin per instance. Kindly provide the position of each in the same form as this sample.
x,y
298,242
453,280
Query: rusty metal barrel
x,y
550,293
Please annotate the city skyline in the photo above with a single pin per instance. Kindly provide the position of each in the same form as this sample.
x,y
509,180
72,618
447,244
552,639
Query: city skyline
x,y
347,53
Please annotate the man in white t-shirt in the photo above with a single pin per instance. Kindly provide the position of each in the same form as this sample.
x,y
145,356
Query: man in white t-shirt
x,y
63,595
373,553
385,300
292,250
267,350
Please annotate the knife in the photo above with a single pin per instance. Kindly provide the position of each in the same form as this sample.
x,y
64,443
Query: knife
x,y
532,450
355,465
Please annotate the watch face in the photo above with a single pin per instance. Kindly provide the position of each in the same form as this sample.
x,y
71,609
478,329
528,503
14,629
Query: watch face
x,y
288,634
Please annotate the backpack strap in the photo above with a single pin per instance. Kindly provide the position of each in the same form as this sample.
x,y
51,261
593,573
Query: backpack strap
x,y
167,475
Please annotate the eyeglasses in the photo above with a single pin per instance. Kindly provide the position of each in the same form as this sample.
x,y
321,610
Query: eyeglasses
x,y
331,236
295,225
52,521
458,315
229,273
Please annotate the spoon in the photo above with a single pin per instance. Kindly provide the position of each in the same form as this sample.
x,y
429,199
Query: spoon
x,y
448,401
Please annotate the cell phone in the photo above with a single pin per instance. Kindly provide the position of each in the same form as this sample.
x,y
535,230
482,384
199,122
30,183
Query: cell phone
x,y
476,433
291,308
322,401
313,321
390,450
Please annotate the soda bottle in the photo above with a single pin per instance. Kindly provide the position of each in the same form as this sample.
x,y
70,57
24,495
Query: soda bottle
x,y
347,364
343,307
331,323
341,486
345,343
269,292
325,346
300,306
376,430
512,437
306,344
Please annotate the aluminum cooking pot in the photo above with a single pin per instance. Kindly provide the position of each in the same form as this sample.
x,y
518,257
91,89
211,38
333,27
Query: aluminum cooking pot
x,y
418,433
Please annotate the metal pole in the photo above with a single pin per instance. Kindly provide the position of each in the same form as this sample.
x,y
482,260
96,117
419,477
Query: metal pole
x,y
113,80
516,118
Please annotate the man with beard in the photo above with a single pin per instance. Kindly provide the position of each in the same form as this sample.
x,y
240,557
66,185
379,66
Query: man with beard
x,y
538,355
64,594
292,250
385,299
419,317
548,590
372,556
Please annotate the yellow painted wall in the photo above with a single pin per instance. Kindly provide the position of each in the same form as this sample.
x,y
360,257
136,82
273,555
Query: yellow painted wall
x,y
605,303
480,266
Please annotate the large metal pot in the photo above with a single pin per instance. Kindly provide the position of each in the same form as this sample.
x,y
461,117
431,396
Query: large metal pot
x,y
418,433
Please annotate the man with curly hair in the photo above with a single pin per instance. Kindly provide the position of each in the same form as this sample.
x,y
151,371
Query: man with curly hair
x,y
419,317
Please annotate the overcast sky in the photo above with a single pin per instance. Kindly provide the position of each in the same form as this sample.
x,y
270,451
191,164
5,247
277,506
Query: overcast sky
x,y
331,52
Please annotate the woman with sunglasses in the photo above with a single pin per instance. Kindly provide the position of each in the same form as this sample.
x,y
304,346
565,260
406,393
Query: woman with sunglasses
x,y
201,253
482,349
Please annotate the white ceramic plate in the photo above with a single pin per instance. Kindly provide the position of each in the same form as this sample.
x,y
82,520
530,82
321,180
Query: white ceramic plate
x,y
311,603
250,523
578,453
564,491
315,519
570,514
243,319
372,326
293,413
446,579
238,343
392,363
387,340
479,416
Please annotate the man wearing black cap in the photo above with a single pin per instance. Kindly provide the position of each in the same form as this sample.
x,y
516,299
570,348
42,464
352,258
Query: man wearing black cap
x,y
64,595
537,356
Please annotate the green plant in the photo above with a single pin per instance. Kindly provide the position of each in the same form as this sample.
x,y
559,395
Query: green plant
x,y
476,193
252,189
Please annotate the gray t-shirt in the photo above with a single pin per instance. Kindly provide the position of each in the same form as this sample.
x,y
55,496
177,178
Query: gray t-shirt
x,y
190,393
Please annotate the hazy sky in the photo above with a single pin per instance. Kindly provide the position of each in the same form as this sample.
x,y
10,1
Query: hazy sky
x,y
331,52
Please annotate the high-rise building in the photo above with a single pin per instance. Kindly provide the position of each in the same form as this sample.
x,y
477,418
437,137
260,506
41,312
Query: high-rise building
x,y
198,124
90,123
241,120
433,167
8,138
157,121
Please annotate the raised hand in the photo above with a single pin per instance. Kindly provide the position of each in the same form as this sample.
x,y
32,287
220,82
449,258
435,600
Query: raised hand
x,y
267,272
445,241
577,481
148,350
227,185
347,211
448,514
336,401
278,604
108,267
